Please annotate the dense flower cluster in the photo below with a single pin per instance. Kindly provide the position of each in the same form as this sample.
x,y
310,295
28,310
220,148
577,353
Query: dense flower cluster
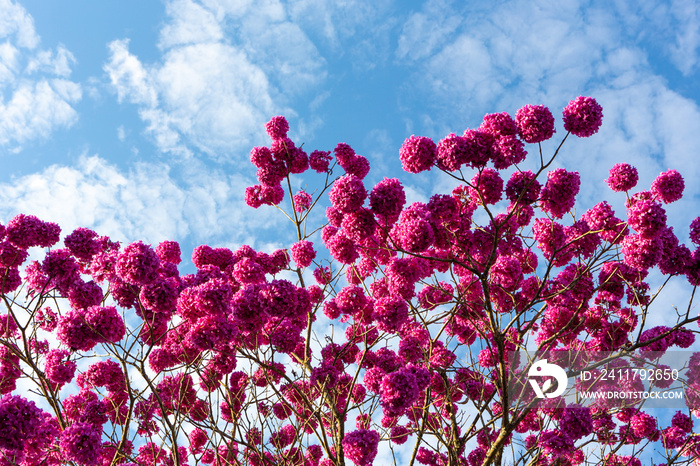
x,y
623,177
583,116
427,305
535,123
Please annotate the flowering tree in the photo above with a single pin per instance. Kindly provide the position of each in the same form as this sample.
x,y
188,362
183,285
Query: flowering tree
x,y
123,360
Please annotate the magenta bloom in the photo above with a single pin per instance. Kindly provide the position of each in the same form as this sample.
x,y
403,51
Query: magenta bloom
x,y
523,184
58,369
277,127
695,231
348,193
82,243
138,264
417,154
499,124
508,150
390,313
303,253
25,231
668,186
559,193
535,123
302,201
583,116
647,218
386,200
623,177
169,251
399,390
360,446
82,331
20,420
452,152
641,253
319,161
82,443
489,187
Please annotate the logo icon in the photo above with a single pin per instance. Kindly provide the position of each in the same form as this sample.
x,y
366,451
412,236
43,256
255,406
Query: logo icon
x,y
543,369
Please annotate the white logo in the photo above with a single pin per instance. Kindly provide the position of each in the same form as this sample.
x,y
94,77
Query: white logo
x,y
542,369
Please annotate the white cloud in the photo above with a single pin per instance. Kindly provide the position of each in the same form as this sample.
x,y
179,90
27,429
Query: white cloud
x,y
36,109
191,24
684,53
57,63
426,30
128,76
35,95
226,69
121,133
146,202
15,20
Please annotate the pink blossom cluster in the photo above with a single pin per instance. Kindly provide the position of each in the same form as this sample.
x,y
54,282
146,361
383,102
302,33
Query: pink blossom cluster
x,y
429,303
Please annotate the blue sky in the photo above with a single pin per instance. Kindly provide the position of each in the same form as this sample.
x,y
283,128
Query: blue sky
x,y
136,118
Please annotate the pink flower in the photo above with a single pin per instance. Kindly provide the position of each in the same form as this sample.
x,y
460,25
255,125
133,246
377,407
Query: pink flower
x,y
319,161
359,225
348,193
25,231
360,446
556,444
303,253
61,269
386,200
261,156
643,425
417,154
668,186
81,442
480,147
399,390
390,313
97,325
169,251
58,370
559,193
352,163
488,187
506,272
601,217
508,151
138,264
82,243
623,177
583,116
535,123
399,435
523,186
577,422
21,420
551,239
277,127
342,248
641,253
647,218
695,231
499,124
302,201
682,421
452,152
10,280
82,295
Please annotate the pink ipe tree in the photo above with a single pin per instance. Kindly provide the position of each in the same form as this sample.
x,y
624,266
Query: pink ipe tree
x,y
384,327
